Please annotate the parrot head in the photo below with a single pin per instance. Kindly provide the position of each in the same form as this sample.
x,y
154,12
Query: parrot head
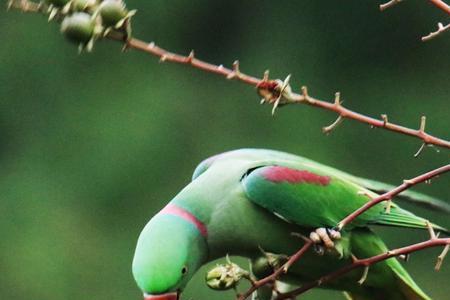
x,y
170,249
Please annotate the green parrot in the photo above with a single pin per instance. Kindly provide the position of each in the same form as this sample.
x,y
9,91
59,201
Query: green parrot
x,y
242,201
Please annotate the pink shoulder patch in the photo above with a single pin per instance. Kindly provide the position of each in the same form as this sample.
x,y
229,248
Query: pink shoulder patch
x,y
172,209
284,174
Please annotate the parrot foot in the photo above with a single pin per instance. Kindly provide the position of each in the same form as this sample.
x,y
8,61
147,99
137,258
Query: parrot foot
x,y
323,239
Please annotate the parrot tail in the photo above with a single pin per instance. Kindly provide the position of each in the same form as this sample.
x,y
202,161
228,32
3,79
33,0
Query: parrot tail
x,y
387,279
406,289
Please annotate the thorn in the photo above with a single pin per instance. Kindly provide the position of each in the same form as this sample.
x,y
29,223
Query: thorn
x,y
305,91
423,121
305,95
328,129
236,72
163,58
190,58
151,45
365,193
441,257
408,181
420,150
354,258
364,275
266,76
404,257
385,119
388,206
431,230
337,99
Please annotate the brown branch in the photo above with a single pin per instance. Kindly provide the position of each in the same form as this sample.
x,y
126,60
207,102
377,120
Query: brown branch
x,y
441,5
367,262
293,98
274,91
441,29
389,4
279,272
391,194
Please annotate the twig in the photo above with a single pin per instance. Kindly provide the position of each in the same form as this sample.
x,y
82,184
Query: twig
x,y
357,263
275,275
391,194
441,5
389,4
440,30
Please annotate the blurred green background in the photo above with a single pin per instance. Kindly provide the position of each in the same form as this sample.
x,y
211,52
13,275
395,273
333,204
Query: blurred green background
x,y
92,145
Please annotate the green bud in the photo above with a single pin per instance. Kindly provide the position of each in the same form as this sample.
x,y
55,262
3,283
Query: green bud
x,y
267,263
225,276
112,11
78,27
83,5
57,3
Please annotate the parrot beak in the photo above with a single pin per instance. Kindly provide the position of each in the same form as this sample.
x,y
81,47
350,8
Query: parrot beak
x,y
168,296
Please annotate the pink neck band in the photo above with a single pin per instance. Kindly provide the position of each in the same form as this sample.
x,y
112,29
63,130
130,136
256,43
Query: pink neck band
x,y
172,209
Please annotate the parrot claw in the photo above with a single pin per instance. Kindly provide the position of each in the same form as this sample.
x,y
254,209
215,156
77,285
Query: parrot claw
x,y
324,237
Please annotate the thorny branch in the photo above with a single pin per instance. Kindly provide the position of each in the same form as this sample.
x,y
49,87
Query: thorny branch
x,y
440,30
438,3
279,272
408,183
273,91
367,262
441,5
434,241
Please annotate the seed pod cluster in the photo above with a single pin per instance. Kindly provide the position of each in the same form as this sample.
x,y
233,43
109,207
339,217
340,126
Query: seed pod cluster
x,y
225,276
84,21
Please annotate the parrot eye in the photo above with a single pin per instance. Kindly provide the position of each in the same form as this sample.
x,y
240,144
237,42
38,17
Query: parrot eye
x,y
184,270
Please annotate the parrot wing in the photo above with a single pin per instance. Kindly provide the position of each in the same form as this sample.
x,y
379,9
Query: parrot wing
x,y
277,156
312,198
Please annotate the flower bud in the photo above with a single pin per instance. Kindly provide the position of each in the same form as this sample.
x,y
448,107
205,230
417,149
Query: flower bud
x,y
112,11
78,27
